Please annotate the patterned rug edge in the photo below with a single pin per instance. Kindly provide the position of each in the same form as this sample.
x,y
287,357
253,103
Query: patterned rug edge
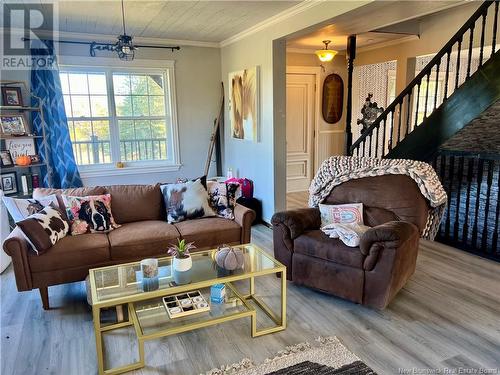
x,y
292,355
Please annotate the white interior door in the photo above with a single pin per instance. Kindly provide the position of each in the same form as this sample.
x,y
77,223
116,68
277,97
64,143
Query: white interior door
x,y
300,92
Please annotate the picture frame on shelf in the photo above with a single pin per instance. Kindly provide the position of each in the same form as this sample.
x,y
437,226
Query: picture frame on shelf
x,y
8,183
35,159
20,146
12,96
13,124
6,159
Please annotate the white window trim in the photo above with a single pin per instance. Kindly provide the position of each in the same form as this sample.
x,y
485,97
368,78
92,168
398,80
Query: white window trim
x,y
110,64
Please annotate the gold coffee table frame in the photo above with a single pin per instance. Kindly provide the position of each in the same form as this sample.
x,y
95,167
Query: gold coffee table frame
x,y
257,263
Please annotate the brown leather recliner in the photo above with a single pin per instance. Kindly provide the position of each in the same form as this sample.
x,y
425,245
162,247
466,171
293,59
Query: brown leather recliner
x,y
372,273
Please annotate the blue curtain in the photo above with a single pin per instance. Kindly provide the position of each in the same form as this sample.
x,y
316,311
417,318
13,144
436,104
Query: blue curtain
x,y
45,84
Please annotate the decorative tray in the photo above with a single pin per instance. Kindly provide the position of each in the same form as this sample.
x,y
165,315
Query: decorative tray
x,y
185,304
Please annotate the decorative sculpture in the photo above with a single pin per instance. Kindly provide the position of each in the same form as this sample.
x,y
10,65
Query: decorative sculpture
x,y
370,112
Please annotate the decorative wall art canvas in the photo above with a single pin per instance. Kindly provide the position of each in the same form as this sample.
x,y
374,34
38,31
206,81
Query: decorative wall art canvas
x,y
244,103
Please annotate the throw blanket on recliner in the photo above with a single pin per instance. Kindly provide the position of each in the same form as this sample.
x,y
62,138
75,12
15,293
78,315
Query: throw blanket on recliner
x,y
339,169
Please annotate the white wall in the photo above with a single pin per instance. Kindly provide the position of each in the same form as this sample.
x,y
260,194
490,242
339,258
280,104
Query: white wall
x,y
264,161
197,76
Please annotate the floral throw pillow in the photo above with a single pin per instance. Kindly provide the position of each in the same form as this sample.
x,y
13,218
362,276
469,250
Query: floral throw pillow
x,y
91,214
184,201
222,197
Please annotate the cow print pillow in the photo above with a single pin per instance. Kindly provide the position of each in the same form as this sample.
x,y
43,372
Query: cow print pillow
x,y
185,201
91,214
44,228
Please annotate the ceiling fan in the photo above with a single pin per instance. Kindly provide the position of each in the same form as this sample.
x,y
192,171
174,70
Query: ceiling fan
x,y
124,46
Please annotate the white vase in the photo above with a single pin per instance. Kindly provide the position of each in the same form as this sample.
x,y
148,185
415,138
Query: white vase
x,y
181,270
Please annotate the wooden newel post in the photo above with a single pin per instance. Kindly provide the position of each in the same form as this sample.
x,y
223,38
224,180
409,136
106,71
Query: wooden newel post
x,y
351,55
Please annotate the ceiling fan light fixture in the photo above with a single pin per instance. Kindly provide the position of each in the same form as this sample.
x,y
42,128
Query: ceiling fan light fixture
x,y
326,55
125,48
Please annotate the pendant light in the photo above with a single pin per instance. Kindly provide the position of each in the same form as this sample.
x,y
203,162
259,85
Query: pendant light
x,y
326,55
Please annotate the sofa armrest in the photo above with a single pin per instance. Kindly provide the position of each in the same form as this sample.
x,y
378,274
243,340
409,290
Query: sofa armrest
x,y
298,221
17,247
244,217
390,251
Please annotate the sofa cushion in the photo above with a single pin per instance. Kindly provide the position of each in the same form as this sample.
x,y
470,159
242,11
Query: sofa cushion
x,y
77,192
136,202
209,232
142,239
315,243
69,252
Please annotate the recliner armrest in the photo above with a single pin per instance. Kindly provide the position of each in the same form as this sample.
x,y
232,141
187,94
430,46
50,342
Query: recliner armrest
x,y
388,235
16,246
298,221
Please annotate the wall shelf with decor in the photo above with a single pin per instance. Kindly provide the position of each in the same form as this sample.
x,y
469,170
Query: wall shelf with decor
x,y
19,151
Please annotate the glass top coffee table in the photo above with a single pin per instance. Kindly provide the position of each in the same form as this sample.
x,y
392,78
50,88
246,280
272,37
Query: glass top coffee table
x,y
122,284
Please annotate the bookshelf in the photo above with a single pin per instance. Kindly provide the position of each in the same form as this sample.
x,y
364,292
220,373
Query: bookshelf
x,y
27,177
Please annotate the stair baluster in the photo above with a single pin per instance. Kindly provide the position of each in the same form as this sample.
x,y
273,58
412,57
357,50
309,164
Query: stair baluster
x,y
447,75
436,85
469,58
495,25
481,48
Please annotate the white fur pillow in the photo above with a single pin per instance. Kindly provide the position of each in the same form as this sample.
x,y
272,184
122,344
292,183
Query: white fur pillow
x,y
184,201
20,209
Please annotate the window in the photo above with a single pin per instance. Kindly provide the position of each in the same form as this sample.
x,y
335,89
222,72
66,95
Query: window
x,y
428,87
119,115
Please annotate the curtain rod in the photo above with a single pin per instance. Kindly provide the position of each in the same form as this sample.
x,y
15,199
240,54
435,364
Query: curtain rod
x,y
172,48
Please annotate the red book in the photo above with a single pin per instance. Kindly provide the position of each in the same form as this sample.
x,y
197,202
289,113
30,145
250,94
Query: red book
x,y
35,181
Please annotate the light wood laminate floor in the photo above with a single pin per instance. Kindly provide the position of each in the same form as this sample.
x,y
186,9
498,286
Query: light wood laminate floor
x,y
448,315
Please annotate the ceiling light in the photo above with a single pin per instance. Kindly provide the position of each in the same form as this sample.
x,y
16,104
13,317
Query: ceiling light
x,y
326,54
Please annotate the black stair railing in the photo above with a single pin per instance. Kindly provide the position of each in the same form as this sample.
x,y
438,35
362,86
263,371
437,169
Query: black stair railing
x,y
404,114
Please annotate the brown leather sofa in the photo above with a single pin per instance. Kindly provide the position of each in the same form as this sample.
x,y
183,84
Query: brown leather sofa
x,y
372,273
143,233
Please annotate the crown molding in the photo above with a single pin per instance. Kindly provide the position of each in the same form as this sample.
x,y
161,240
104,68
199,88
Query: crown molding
x,y
282,16
86,37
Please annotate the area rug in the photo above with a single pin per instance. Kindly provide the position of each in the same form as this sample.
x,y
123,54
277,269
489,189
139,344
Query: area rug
x,y
326,357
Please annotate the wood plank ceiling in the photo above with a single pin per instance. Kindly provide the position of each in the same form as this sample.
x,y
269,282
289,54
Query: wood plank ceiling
x,y
206,21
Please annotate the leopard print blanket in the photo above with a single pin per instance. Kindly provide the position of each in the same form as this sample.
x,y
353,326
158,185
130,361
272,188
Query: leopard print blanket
x,y
338,169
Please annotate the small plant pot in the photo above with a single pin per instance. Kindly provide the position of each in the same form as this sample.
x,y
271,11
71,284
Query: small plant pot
x,y
181,270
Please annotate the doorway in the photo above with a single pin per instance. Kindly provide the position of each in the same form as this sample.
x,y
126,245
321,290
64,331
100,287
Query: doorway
x,y
301,113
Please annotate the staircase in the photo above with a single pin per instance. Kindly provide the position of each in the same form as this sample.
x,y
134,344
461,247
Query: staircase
x,y
419,122
401,132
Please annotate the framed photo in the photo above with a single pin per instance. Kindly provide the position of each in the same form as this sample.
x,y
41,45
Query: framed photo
x,y
12,96
20,146
6,159
35,159
8,183
13,124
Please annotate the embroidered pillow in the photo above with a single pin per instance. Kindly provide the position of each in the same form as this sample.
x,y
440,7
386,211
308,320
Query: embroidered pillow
x,y
341,213
184,201
20,209
44,228
91,214
222,197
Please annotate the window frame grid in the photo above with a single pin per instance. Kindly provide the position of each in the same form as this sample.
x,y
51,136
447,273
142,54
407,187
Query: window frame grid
x,y
171,162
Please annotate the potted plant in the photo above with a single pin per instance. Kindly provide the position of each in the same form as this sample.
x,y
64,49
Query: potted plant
x,y
182,263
